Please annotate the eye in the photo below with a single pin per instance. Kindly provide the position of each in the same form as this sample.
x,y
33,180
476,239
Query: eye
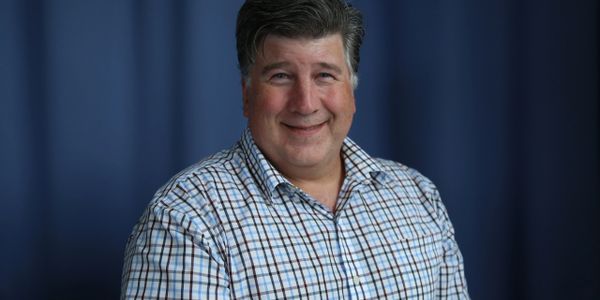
x,y
280,76
325,75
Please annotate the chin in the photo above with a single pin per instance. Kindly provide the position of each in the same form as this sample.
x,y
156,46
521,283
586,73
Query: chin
x,y
306,157
303,160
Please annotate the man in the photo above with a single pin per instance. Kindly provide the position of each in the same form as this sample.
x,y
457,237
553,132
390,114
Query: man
x,y
295,209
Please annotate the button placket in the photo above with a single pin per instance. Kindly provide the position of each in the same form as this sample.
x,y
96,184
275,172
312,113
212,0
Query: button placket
x,y
351,264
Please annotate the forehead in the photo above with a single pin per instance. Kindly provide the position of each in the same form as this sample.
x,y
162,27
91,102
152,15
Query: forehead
x,y
328,48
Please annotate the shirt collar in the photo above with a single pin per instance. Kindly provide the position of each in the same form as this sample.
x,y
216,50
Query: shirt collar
x,y
268,177
359,166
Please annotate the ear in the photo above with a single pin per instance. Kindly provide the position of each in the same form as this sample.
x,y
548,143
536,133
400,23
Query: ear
x,y
245,93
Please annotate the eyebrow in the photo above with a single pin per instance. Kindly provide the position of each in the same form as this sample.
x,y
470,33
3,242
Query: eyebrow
x,y
332,67
272,66
266,69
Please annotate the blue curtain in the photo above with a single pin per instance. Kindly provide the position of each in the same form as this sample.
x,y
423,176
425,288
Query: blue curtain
x,y
496,101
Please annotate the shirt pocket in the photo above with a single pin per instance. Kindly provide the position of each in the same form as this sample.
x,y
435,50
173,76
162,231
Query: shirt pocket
x,y
418,259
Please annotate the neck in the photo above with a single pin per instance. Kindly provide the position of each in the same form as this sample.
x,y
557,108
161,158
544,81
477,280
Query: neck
x,y
323,184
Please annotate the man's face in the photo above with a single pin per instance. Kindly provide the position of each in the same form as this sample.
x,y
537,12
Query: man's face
x,y
299,101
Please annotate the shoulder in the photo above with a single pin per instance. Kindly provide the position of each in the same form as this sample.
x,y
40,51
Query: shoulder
x,y
188,193
197,178
413,181
400,172
181,210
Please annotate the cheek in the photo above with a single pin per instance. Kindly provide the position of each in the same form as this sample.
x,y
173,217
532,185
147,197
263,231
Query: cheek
x,y
266,103
340,102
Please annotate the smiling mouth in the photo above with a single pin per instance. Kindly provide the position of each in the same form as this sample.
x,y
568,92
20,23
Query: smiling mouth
x,y
305,129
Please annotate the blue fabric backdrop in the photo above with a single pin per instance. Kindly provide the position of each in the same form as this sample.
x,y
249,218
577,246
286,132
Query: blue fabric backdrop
x,y
496,101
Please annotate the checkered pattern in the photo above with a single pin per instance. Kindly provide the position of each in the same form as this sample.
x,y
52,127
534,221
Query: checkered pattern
x,y
232,226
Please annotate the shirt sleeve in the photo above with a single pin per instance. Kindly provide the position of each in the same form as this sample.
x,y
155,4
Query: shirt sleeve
x,y
453,284
172,254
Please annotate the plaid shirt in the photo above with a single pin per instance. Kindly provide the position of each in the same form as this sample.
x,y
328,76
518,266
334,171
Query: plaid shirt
x,y
231,226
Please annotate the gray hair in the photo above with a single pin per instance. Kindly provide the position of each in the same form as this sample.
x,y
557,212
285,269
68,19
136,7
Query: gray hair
x,y
298,19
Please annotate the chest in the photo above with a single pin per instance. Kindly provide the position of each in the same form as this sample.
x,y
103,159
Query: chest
x,y
380,244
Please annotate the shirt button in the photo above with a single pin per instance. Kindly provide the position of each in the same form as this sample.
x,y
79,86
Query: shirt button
x,y
356,280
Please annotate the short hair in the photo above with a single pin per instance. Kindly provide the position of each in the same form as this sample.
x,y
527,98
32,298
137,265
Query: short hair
x,y
298,19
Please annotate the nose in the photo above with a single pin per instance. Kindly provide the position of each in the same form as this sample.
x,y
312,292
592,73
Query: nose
x,y
304,99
